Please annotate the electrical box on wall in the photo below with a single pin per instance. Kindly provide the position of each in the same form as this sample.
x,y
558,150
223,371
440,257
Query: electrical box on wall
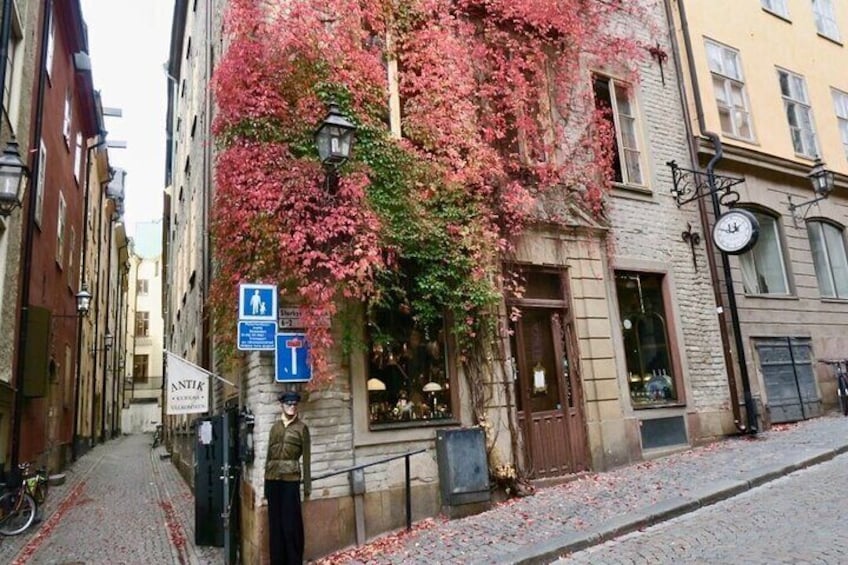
x,y
463,468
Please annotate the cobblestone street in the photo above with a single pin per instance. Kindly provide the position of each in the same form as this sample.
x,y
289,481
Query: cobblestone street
x,y
120,503
796,519
601,506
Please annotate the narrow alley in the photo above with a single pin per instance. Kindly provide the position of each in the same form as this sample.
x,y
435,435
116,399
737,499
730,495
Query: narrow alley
x,y
121,503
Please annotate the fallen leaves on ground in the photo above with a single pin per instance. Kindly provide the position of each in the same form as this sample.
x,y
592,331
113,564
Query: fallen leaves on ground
x,y
380,546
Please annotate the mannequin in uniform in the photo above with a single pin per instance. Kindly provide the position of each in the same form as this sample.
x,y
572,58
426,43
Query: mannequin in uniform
x,y
288,441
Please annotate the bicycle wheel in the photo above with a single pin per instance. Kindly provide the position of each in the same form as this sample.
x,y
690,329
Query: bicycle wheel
x,y
842,383
16,517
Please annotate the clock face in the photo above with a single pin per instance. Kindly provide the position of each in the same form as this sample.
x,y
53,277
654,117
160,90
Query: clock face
x,y
736,231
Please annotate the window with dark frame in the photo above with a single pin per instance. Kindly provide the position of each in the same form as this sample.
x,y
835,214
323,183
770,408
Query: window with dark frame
x,y
142,324
140,367
142,287
647,347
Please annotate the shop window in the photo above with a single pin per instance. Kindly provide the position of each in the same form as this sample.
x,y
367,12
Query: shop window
x,y
409,381
645,331
763,268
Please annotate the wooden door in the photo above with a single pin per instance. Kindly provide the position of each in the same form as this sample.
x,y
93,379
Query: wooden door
x,y
548,393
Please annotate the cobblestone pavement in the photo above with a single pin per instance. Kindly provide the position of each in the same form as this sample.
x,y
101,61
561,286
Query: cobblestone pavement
x,y
600,506
795,519
121,503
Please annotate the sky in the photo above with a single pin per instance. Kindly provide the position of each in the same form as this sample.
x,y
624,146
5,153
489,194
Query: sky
x,y
128,44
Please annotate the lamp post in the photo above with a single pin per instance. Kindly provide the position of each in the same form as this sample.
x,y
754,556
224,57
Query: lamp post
x,y
334,140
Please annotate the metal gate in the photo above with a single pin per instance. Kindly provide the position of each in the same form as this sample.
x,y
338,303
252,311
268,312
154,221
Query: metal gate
x,y
787,368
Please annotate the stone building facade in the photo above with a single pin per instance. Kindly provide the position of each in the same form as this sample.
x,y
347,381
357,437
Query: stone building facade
x,y
766,84
617,356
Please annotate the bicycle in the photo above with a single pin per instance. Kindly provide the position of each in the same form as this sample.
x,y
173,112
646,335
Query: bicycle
x,y
840,369
17,506
38,484
157,436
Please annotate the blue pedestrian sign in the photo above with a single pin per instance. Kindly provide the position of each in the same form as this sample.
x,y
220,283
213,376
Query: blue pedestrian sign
x,y
292,359
258,302
257,336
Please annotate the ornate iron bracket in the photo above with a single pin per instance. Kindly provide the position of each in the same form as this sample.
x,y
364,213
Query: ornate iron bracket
x,y
693,238
691,185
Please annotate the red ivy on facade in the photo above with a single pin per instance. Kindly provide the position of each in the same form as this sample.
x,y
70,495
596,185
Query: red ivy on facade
x,y
495,114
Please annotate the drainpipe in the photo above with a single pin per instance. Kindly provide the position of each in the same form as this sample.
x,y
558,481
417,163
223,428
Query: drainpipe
x,y
705,219
29,232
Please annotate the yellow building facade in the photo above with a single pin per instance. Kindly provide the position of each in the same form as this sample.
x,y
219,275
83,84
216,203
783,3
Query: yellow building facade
x,y
769,79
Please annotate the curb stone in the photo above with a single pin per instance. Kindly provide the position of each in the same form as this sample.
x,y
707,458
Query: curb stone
x,y
551,550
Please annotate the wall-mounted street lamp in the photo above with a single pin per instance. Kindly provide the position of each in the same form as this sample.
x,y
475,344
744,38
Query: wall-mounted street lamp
x,y
334,140
12,173
83,300
107,344
83,304
822,181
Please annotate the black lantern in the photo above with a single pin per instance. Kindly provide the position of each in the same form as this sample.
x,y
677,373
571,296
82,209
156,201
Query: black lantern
x,y
107,341
821,178
12,172
83,300
334,138
822,181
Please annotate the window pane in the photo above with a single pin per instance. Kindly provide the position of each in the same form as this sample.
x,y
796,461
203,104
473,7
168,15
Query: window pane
x,y
820,262
768,258
408,373
838,263
649,358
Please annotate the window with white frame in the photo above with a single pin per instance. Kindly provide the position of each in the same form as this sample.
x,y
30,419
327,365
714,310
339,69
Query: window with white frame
x,y
799,114
51,44
12,51
60,230
77,156
729,88
72,246
776,7
840,104
763,267
827,243
66,123
825,19
616,98
39,184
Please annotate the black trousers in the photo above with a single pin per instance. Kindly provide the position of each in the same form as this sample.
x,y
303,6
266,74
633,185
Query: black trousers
x,y
285,522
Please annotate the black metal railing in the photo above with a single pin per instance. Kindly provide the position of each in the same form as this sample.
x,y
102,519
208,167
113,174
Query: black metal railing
x,y
408,491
